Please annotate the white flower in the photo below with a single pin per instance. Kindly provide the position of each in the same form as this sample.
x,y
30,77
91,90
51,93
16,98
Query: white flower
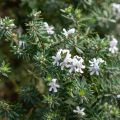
x,y
79,64
65,51
116,7
79,111
63,59
94,66
66,60
57,58
118,96
100,60
76,64
116,10
73,65
62,54
113,45
53,85
50,29
67,33
94,69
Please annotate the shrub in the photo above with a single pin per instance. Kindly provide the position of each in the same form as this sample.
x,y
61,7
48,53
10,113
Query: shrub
x,y
62,73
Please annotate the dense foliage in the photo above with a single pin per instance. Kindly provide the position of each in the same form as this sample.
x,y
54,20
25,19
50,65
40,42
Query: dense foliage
x,y
67,68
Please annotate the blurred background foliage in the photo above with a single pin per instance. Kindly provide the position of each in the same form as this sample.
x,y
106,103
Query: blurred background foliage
x,y
20,9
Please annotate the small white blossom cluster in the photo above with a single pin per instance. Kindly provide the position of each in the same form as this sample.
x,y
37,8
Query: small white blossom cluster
x,y
53,85
79,111
116,10
76,64
118,96
95,66
113,45
49,29
63,59
68,32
